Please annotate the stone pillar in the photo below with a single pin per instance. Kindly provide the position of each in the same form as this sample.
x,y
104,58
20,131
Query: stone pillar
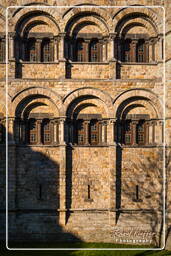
x,y
134,129
61,130
147,51
147,133
104,132
160,48
61,46
159,132
104,55
86,123
134,46
111,48
55,131
55,42
110,133
51,49
150,133
11,46
62,185
39,123
150,51
100,132
154,123
38,49
11,165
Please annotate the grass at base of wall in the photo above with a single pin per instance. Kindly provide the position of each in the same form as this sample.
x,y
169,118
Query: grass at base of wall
x,y
101,252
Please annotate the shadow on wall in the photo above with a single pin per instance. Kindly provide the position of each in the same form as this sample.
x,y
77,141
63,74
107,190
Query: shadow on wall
x,y
33,193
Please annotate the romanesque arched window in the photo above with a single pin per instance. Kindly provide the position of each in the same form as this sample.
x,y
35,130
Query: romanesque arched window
x,y
94,132
141,132
94,49
46,131
127,56
2,50
127,133
87,132
81,51
141,51
32,131
31,50
46,51
134,132
81,133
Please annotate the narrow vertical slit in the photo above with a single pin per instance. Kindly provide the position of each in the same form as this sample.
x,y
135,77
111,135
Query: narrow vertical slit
x,y
88,191
137,192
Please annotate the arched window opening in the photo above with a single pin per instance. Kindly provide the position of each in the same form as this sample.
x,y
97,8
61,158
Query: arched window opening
x,y
140,132
127,51
46,131
80,132
32,131
94,132
94,55
141,51
81,50
46,50
127,132
31,50
2,50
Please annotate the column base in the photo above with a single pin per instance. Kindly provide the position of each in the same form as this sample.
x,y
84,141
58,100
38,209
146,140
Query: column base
x,y
62,218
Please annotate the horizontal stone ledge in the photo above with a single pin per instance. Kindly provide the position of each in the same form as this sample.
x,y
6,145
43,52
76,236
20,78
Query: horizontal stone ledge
x,y
94,210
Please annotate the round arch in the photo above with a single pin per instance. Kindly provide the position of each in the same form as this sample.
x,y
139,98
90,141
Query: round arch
x,y
139,94
146,13
39,91
97,93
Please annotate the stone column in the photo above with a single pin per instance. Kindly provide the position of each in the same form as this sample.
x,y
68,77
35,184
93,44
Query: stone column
x,y
62,175
159,132
62,185
110,137
55,43
61,130
147,133
134,134
11,165
111,48
150,51
104,132
134,46
39,123
86,127
51,49
100,132
154,123
104,55
11,46
38,49
150,133
55,131
159,47
147,50
61,46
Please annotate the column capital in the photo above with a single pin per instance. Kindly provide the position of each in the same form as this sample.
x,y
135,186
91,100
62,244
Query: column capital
x,y
112,36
